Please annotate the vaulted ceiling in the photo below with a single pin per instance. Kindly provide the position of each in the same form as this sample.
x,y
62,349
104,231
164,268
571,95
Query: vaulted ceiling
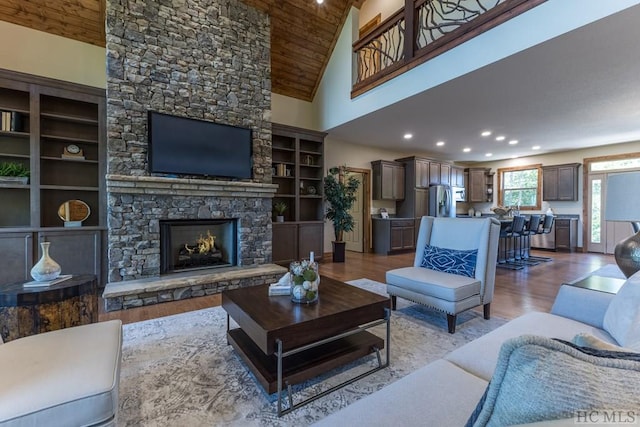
x,y
303,33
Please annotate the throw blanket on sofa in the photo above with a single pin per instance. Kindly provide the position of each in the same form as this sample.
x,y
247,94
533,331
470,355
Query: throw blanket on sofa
x,y
538,379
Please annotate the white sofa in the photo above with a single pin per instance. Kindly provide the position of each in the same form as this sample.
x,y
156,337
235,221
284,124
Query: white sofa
x,y
446,392
67,377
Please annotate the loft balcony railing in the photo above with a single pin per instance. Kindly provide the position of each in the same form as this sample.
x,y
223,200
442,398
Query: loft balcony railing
x,y
435,26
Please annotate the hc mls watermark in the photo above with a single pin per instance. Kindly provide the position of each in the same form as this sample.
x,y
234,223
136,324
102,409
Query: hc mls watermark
x,y
607,417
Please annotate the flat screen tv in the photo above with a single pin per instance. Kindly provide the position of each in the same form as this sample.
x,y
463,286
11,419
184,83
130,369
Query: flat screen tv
x,y
182,146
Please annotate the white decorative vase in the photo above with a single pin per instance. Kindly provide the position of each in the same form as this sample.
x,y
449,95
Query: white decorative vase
x,y
46,268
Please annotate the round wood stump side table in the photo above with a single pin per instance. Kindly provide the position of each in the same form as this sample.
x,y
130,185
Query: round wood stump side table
x,y
29,311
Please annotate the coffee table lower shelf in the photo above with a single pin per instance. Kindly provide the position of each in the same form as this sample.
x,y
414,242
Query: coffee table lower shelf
x,y
304,365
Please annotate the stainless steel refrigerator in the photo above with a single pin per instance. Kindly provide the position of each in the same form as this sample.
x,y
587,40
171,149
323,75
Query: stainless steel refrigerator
x,y
441,201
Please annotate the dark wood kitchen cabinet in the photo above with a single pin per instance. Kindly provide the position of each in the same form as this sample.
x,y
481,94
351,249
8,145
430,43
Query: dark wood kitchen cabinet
x,y
393,235
388,180
457,176
480,185
560,182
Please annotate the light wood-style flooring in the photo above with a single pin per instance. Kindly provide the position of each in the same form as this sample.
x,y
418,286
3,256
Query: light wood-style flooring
x,y
517,292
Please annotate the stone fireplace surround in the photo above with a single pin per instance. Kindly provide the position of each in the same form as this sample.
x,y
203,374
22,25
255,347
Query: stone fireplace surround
x,y
136,206
201,59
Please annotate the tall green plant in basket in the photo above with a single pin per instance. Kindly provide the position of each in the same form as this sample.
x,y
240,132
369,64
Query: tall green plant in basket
x,y
340,194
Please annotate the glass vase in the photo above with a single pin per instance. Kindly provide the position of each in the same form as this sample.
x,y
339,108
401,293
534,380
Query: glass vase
x,y
304,282
46,268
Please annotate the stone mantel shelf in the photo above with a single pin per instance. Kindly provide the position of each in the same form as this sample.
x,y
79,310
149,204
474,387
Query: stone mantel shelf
x,y
131,184
192,278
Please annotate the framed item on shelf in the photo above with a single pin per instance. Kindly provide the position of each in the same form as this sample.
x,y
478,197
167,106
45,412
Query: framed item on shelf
x,y
73,212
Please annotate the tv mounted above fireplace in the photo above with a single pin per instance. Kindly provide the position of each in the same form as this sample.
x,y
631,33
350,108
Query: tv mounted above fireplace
x,y
184,146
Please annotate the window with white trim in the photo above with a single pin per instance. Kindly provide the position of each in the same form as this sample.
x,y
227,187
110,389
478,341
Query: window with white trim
x,y
520,187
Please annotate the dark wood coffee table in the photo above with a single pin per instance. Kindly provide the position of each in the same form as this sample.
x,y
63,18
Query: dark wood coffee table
x,y
284,343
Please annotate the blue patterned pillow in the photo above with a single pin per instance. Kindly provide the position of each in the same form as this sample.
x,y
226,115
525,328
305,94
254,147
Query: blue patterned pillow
x,y
450,260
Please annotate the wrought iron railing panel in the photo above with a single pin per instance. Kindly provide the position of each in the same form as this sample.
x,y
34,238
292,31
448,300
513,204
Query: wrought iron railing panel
x,y
436,18
381,51
434,26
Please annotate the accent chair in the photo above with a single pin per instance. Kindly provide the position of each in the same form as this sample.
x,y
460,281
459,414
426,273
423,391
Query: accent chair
x,y
454,267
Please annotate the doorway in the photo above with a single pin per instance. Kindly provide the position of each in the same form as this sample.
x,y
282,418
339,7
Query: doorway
x,y
358,239
600,235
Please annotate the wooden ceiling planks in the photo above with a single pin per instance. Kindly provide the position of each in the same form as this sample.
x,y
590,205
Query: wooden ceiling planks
x,y
81,20
303,33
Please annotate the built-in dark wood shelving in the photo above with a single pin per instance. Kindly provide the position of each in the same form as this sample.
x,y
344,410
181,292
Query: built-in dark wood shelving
x,y
55,114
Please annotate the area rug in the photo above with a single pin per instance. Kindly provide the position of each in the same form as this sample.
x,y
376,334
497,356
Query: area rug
x,y
179,371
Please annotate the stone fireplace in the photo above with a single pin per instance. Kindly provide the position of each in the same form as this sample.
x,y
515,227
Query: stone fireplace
x,y
200,59
201,244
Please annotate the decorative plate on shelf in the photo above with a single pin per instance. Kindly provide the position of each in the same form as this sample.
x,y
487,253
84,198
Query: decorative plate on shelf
x,y
311,189
74,211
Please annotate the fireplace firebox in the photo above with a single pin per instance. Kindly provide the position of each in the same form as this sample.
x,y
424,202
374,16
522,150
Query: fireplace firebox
x,y
197,244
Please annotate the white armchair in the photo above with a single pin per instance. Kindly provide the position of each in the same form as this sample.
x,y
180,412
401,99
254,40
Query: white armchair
x,y
458,271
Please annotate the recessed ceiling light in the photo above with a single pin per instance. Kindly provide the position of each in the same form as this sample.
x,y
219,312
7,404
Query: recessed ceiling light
x,y
513,142
440,143
320,1
535,147
500,138
466,150
486,133
488,155
408,135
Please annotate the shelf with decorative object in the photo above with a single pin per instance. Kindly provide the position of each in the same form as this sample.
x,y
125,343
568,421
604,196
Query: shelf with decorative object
x,y
59,133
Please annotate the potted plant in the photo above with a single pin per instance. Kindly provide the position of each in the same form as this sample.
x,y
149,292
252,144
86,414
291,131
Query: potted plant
x,y
14,172
340,193
279,208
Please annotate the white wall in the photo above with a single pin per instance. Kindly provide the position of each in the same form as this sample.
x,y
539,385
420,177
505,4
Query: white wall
x,y
548,20
43,54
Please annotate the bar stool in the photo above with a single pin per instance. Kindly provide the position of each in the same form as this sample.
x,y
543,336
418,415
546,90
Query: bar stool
x,y
547,226
512,233
532,228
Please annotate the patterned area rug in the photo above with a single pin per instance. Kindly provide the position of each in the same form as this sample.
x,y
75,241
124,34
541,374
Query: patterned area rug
x,y
179,370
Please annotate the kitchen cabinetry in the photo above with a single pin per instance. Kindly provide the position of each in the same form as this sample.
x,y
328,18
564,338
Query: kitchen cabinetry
x,y
566,233
560,182
457,176
59,134
563,235
388,180
445,174
297,169
393,235
480,185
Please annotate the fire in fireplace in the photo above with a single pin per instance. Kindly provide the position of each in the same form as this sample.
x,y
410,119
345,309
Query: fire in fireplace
x,y
197,244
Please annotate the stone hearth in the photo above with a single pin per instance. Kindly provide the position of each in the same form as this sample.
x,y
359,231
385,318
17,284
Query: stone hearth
x,y
178,286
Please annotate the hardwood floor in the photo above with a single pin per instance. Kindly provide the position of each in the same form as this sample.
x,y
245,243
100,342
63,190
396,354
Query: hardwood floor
x,y
517,292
